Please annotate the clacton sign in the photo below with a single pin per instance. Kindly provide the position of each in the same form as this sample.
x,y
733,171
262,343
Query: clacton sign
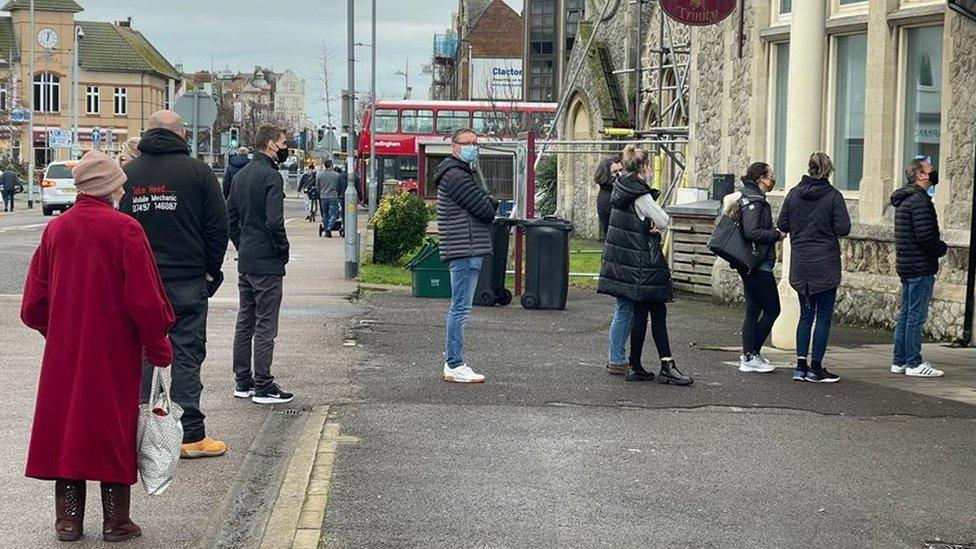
x,y
698,12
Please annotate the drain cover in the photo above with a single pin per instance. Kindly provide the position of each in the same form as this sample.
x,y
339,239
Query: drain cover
x,y
948,545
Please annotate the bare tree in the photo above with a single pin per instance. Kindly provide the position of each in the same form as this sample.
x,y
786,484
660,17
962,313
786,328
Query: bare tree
x,y
326,65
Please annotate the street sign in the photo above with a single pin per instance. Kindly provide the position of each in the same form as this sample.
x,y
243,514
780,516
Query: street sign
x,y
202,115
698,12
59,139
965,7
19,115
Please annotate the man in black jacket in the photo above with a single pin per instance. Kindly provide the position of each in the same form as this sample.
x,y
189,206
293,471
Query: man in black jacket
x,y
8,187
465,210
235,164
257,228
177,200
918,247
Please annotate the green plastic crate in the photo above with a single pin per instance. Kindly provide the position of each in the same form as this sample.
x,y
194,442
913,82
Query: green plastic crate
x,y
431,276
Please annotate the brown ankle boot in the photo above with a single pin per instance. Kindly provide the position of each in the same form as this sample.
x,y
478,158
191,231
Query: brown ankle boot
x,y
69,506
116,524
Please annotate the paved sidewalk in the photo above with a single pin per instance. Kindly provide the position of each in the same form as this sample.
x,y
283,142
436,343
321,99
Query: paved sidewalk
x,y
220,502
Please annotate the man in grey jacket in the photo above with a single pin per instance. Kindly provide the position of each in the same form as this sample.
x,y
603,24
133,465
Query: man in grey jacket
x,y
327,182
465,211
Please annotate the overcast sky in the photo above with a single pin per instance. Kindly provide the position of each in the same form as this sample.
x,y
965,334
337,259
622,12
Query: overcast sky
x,y
289,34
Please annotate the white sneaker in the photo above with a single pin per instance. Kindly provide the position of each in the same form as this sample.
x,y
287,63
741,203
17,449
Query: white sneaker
x,y
755,365
896,369
461,374
923,370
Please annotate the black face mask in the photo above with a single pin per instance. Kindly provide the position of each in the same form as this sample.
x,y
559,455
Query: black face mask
x,y
282,155
934,177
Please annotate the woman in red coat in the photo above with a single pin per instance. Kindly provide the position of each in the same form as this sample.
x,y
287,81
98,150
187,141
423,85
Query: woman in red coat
x,y
94,293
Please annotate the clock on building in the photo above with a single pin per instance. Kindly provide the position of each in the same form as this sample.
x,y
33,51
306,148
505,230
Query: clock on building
x,y
48,38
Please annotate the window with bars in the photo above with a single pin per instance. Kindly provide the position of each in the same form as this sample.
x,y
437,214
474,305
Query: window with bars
x,y
92,100
47,92
121,97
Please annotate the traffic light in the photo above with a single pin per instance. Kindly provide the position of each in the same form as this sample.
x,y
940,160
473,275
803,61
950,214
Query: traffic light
x,y
234,141
320,135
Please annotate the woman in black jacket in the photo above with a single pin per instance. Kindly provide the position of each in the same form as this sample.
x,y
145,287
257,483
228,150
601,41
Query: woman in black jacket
x,y
759,284
634,268
815,216
606,173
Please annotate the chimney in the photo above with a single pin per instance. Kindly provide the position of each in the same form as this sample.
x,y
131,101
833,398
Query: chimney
x,y
126,24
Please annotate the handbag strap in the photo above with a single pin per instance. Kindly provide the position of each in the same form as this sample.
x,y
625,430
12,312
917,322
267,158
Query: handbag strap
x,y
161,392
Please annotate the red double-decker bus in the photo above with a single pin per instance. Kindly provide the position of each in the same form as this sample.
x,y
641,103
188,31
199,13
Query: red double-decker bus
x,y
412,136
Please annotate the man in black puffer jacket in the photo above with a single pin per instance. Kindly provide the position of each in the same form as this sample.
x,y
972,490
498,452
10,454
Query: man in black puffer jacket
x,y
177,200
465,211
918,246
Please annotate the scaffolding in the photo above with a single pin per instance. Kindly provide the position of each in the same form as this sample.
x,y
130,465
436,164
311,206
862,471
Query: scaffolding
x,y
443,66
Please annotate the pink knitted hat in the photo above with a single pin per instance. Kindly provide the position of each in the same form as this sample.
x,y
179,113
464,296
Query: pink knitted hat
x,y
97,174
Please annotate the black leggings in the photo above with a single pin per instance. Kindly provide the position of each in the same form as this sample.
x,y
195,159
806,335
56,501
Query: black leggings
x,y
659,330
762,309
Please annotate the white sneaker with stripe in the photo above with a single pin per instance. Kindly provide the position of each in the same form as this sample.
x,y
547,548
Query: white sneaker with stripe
x,y
923,370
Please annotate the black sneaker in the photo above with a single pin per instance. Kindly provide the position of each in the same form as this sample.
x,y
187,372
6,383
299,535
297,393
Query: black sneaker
x,y
639,375
244,390
821,375
272,394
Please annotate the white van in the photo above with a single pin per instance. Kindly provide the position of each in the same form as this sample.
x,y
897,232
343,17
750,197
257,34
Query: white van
x,y
58,190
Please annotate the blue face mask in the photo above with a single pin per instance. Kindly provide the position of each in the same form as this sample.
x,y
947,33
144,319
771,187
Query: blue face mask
x,y
469,153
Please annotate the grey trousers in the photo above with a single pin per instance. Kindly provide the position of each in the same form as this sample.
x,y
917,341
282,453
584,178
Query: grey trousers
x,y
189,340
257,328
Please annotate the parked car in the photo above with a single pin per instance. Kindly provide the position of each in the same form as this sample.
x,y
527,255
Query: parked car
x,y
58,190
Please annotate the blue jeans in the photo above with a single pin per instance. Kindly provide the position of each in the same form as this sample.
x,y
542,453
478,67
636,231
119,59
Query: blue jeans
x,y
330,210
916,293
819,307
623,318
464,280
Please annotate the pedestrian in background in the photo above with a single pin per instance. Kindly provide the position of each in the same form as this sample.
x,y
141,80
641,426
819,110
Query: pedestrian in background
x,y
815,217
759,285
129,152
607,173
465,211
94,293
9,184
305,184
327,184
177,200
635,269
257,229
918,248
235,163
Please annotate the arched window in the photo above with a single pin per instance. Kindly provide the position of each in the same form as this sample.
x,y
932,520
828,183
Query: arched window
x,y
47,92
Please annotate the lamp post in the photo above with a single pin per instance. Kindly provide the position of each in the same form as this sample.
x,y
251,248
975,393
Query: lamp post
x,y
350,221
406,79
30,108
75,92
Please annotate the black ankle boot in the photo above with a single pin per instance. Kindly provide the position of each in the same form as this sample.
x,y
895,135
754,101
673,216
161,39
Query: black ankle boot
x,y
69,508
638,373
671,374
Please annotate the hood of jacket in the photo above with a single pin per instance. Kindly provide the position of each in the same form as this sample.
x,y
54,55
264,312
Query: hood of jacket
x,y
812,189
752,190
239,160
448,164
902,194
162,141
628,188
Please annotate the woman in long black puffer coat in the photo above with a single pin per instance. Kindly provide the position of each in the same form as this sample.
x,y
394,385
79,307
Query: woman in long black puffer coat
x,y
635,269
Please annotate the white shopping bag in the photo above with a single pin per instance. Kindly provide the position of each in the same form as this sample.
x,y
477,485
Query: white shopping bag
x,y
159,435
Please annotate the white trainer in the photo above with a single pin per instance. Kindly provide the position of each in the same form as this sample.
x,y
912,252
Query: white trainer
x,y
461,374
896,369
923,370
754,365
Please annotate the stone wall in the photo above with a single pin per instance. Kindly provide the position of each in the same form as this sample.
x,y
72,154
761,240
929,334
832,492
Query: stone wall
x,y
960,142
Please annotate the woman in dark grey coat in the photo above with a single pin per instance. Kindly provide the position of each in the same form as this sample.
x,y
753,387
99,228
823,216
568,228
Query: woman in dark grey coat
x,y
815,216
607,173
635,270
